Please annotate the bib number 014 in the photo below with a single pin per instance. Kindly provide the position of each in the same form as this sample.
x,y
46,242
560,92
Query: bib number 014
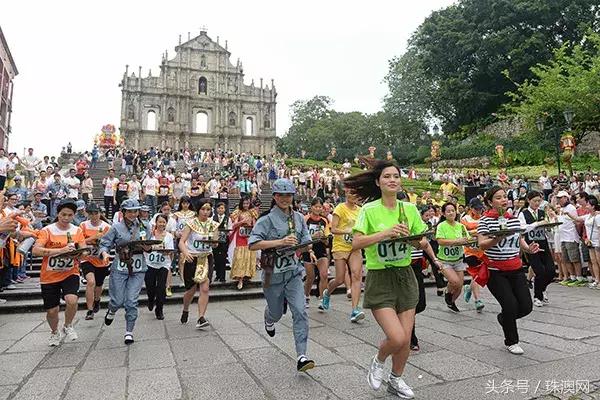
x,y
392,251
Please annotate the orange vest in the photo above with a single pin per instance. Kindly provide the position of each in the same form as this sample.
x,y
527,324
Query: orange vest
x,y
94,231
56,269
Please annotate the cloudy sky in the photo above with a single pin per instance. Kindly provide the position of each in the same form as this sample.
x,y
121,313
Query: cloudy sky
x,y
71,55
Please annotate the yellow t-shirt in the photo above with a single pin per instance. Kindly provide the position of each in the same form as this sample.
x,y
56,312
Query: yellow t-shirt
x,y
347,218
448,189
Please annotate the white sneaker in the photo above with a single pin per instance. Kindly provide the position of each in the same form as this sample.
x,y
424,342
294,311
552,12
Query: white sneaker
x,y
593,285
397,386
545,296
54,339
375,376
538,302
70,334
515,349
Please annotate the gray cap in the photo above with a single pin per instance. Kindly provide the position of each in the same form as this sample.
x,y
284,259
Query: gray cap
x,y
130,204
145,208
80,204
92,207
284,186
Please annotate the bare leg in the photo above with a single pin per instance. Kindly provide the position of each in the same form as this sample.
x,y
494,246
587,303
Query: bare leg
x,y
397,338
203,298
310,278
70,309
90,290
355,261
52,318
322,266
188,296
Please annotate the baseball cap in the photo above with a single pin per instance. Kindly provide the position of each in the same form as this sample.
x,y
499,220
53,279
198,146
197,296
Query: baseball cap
x,y
476,204
18,178
80,204
130,204
283,186
562,193
92,207
145,208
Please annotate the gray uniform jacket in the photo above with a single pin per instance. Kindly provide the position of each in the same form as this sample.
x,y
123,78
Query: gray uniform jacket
x,y
119,234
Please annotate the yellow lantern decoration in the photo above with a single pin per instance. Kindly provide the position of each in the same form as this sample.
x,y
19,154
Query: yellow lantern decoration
x,y
372,151
435,150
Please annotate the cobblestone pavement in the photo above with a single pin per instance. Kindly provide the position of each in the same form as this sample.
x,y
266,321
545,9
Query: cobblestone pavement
x,y
462,355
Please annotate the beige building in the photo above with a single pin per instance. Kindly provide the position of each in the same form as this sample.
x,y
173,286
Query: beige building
x,y
198,100
8,71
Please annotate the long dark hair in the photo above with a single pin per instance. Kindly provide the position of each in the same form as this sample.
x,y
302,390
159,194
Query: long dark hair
x,y
364,185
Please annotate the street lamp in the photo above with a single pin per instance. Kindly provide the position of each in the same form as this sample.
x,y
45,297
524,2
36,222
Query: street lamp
x,y
539,124
568,114
436,129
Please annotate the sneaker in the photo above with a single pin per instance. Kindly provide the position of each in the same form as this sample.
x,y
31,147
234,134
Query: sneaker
x,y
565,282
184,317
573,283
54,339
538,302
89,315
320,307
479,305
307,302
70,334
304,364
159,314
325,300
10,287
357,315
96,306
83,281
270,328
448,299
397,386
545,298
440,292
169,292
593,285
415,347
108,318
19,280
201,323
467,293
581,282
515,349
128,338
375,375
349,294
453,307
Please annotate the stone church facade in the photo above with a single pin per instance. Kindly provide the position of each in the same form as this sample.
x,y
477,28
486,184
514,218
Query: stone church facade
x,y
199,100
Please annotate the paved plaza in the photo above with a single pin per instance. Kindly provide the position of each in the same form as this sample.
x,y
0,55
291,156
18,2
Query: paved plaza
x,y
462,355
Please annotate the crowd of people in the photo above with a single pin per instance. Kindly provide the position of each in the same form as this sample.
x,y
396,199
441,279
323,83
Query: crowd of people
x,y
514,236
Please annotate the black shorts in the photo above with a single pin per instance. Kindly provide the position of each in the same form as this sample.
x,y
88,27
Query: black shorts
x,y
53,292
99,272
320,252
189,270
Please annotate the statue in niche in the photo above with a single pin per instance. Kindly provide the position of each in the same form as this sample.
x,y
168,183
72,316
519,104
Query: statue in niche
x,y
232,118
130,112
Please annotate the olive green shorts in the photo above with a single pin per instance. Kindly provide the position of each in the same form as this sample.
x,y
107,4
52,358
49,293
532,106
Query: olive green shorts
x,y
391,288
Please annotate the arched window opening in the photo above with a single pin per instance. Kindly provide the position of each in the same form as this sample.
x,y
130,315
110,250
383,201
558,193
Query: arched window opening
x,y
201,122
171,114
202,85
151,121
249,126
232,118
130,112
267,122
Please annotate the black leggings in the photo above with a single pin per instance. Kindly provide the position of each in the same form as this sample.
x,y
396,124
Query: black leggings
x,y
422,302
512,292
543,266
156,286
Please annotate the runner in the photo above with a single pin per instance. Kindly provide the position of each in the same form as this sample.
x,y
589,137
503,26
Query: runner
x,y
94,269
344,257
318,227
283,227
473,255
391,290
220,252
182,216
159,265
452,235
59,277
542,262
507,281
198,260
125,281
243,260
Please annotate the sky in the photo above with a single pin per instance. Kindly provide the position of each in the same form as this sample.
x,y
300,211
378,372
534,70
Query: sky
x,y
71,55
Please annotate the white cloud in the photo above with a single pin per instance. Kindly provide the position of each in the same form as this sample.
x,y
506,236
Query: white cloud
x,y
71,55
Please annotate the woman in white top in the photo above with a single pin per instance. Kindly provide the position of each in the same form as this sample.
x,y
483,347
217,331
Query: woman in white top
x,y
159,264
592,240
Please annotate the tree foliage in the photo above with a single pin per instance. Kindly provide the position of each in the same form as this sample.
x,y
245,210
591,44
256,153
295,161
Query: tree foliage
x,y
453,67
571,80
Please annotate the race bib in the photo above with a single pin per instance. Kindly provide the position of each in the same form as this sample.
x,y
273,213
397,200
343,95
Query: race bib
x,y
509,243
314,228
163,191
392,251
348,238
454,252
198,246
286,261
137,264
156,258
60,264
536,234
245,231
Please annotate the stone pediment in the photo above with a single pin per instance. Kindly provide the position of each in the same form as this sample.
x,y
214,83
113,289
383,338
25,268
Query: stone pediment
x,y
202,42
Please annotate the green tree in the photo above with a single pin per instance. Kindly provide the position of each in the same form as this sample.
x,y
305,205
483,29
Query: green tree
x,y
571,80
452,69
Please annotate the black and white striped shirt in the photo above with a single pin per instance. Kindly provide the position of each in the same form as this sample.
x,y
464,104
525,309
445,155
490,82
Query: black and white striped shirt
x,y
509,246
